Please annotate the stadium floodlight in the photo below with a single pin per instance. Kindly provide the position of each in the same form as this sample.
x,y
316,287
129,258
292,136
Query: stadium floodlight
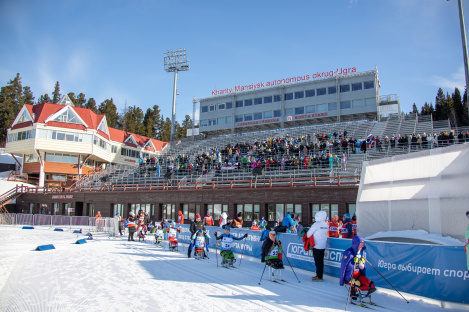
x,y
175,61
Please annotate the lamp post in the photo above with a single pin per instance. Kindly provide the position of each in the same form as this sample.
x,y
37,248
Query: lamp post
x,y
464,46
175,61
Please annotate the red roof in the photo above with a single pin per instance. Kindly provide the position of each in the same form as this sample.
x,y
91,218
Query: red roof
x,y
41,112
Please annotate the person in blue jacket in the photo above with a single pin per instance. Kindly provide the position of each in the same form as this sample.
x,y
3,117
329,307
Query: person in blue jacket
x,y
225,250
288,222
353,270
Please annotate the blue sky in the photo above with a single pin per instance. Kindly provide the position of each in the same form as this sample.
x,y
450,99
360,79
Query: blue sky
x,y
116,48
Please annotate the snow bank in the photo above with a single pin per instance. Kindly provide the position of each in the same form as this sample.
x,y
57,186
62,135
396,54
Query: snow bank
x,y
418,235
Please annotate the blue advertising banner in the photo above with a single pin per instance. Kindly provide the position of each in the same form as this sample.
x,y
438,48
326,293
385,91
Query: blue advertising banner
x,y
437,272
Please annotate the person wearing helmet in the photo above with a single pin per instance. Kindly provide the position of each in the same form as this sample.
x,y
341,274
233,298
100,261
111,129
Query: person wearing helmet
x,y
159,235
347,227
141,230
201,241
272,251
198,224
353,271
225,250
172,236
262,224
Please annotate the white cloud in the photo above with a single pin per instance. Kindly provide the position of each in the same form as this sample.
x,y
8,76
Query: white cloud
x,y
454,80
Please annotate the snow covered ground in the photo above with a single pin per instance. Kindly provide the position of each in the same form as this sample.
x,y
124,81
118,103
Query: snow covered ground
x,y
418,235
116,275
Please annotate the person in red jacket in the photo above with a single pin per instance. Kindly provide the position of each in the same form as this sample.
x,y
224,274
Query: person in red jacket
x,y
208,220
180,217
334,227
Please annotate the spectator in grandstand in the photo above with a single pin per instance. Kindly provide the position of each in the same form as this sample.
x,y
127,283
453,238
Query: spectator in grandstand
x,y
343,161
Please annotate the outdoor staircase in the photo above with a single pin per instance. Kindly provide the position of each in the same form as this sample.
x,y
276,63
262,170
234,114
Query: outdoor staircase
x,y
5,199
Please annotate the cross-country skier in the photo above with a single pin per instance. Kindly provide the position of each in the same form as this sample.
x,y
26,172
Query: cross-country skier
x,y
200,243
272,252
353,271
172,236
225,250
141,229
159,235
198,224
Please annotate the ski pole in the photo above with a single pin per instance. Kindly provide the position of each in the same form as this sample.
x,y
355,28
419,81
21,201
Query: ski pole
x,y
216,249
386,280
349,292
242,252
262,274
292,268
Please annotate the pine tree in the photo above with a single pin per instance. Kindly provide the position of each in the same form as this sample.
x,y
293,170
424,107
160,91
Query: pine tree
x,y
165,132
81,100
11,101
415,110
186,124
72,97
133,120
439,106
44,99
427,109
56,96
109,109
28,97
458,107
152,122
91,104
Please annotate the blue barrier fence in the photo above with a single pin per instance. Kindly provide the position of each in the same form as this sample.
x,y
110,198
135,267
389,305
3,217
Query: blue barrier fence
x,y
437,272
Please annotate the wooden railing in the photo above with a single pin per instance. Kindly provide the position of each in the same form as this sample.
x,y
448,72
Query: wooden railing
x,y
240,184
32,180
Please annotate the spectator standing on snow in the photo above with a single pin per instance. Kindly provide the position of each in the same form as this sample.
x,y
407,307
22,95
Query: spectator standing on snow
x,y
319,231
208,220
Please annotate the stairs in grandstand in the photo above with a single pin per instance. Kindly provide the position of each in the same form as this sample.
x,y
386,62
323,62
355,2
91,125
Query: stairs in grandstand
x,y
5,199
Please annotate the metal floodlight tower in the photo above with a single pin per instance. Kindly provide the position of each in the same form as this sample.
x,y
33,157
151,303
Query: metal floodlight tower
x,y
464,47
175,61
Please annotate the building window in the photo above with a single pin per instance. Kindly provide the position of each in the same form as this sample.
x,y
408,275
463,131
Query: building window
x,y
330,209
299,95
277,98
268,115
29,158
369,84
344,88
216,210
190,210
357,103
345,105
204,109
62,158
332,90
288,111
277,113
250,211
23,135
299,110
321,91
357,86
212,108
239,118
370,102
257,116
113,149
229,120
352,209
248,102
204,123
169,210
221,106
212,122
321,108
294,209
310,109
239,103
68,116
257,101
310,93
229,105
221,121
288,96
274,212
267,99
332,106
248,117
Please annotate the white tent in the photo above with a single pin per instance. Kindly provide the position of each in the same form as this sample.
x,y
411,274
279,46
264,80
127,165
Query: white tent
x,y
427,190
